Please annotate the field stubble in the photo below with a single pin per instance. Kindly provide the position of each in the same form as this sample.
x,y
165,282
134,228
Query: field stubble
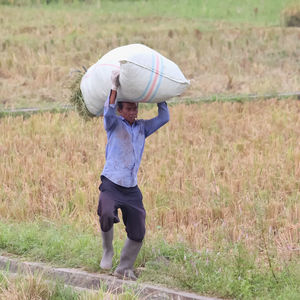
x,y
216,174
40,46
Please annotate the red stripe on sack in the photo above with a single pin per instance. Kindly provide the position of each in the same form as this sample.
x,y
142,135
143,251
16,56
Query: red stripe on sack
x,y
154,82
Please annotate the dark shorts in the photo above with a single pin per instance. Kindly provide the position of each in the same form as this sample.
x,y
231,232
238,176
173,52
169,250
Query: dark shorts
x,y
129,200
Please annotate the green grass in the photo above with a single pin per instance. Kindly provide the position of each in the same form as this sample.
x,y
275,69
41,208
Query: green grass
x,y
231,272
63,245
265,12
258,12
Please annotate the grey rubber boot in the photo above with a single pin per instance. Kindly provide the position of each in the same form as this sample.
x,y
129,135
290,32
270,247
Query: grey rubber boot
x,y
129,254
108,250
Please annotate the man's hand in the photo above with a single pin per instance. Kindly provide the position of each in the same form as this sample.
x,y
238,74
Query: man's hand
x,y
115,74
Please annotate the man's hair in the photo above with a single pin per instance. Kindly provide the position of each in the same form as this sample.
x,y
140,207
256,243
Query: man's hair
x,y
120,105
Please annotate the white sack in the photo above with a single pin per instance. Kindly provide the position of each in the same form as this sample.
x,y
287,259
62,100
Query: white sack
x,y
145,76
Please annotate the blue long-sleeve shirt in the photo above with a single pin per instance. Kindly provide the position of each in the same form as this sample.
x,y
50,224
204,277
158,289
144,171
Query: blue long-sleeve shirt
x,y
125,143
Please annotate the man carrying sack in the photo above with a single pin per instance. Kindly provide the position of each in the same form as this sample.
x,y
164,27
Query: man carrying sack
x,y
118,189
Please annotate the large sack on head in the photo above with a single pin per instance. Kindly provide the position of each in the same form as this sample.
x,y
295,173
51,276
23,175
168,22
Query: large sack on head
x,y
145,76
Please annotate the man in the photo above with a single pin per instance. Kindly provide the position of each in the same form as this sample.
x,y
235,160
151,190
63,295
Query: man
x,y
125,145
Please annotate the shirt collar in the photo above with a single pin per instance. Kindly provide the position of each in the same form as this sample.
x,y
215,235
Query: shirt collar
x,y
124,120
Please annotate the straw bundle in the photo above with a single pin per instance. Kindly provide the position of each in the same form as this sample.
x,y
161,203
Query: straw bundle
x,y
76,98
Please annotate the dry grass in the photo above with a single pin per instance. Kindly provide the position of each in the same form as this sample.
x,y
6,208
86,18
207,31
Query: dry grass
x,y
31,288
216,174
37,287
38,53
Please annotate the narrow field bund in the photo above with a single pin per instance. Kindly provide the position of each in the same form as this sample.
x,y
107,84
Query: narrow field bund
x,y
92,282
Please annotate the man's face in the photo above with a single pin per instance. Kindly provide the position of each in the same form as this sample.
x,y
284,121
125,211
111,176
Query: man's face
x,y
129,111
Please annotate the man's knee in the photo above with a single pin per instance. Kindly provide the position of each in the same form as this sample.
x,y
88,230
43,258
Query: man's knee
x,y
136,227
137,235
106,221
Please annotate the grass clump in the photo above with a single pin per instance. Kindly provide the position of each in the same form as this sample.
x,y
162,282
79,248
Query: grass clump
x,y
291,16
77,100
36,287
33,287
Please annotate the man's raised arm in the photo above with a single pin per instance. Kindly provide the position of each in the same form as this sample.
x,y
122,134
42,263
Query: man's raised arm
x,y
110,104
163,117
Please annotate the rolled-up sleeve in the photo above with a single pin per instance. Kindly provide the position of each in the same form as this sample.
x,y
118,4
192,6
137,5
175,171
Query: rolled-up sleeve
x,y
162,118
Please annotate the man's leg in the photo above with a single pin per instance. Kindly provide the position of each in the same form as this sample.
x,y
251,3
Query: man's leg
x,y
129,254
107,217
134,219
108,250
